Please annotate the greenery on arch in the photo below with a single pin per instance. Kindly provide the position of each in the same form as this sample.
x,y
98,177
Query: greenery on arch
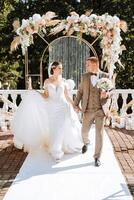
x,y
26,8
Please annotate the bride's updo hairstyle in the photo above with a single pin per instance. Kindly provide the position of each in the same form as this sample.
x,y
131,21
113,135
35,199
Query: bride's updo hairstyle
x,y
54,65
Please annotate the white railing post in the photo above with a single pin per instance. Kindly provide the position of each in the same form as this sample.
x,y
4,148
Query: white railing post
x,y
114,104
124,97
133,104
14,97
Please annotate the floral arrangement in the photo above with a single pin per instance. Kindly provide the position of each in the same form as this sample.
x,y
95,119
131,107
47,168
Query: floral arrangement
x,y
105,84
106,27
35,24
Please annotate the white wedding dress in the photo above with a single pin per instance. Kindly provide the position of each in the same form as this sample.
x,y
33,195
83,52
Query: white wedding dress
x,y
50,123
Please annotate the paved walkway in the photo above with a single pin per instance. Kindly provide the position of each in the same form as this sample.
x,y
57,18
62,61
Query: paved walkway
x,y
76,175
11,159
123,143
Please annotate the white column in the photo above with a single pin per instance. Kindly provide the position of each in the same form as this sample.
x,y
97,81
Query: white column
x,y
123,109
114,101
133,103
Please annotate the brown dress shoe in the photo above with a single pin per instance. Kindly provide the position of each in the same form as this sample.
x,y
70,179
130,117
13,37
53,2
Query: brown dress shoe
x,y
84,148
97,162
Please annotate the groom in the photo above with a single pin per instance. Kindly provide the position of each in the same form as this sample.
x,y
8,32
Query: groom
x,y
93,100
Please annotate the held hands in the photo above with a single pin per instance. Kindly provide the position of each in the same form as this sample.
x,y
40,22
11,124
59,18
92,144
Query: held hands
x,y
77,109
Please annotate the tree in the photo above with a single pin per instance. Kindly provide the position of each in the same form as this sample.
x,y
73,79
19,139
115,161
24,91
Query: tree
x,y
124,10
24,9
8,65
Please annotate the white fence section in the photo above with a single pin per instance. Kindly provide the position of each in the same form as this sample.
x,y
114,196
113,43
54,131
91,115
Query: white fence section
x,y
10,99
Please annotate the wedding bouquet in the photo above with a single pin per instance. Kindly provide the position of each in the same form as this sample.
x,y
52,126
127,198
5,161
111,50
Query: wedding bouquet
x,y
105,84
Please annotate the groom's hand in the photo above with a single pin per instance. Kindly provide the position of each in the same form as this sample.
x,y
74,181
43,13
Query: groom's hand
x,y
104,95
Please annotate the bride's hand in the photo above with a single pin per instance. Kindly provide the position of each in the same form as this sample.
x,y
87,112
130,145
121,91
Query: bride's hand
x,y
45,93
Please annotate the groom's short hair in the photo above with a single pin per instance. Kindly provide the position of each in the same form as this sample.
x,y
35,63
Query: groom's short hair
x,y
93,59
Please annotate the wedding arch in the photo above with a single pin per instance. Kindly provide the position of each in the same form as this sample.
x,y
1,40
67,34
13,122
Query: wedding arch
x,y
106,28
72,53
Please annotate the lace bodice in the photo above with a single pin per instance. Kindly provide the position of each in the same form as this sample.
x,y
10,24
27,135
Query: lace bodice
x,y
56,92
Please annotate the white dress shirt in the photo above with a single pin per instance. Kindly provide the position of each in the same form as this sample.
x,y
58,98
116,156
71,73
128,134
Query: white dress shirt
x,y
94,79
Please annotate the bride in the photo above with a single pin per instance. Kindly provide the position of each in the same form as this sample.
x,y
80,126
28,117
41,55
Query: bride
x,y
48,120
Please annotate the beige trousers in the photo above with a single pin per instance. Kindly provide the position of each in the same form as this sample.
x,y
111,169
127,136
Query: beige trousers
x,y
88,120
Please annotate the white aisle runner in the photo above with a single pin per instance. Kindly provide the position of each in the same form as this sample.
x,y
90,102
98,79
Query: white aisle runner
x,y
75,178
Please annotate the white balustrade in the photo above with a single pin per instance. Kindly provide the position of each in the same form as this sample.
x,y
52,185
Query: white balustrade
x,y
124,94
9,107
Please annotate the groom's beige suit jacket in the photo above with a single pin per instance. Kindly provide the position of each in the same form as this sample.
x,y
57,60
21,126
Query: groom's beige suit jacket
x,y
84,92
